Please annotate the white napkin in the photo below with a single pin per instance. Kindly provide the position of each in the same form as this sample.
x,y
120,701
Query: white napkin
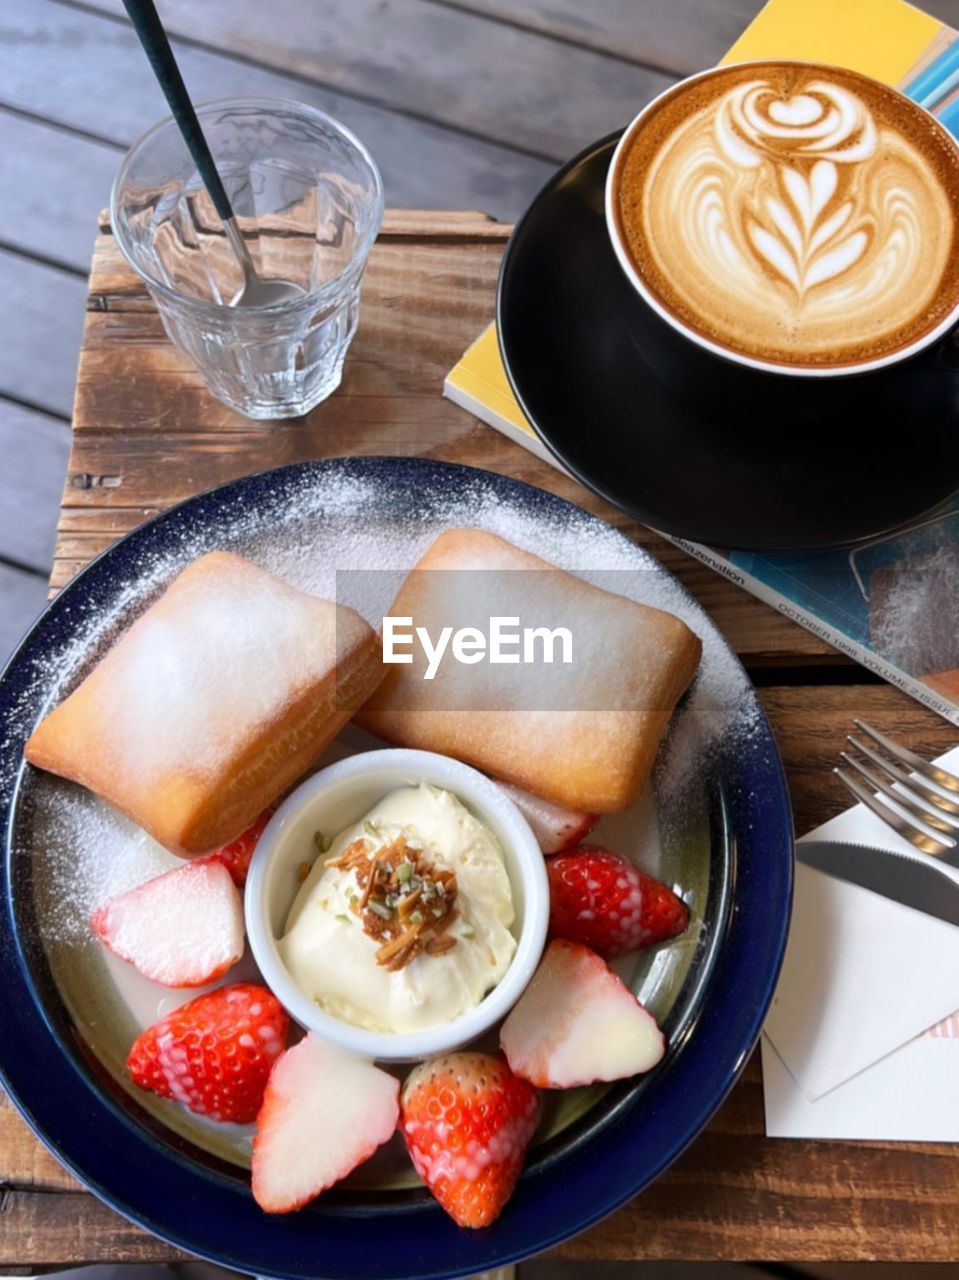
x,y
909,1096
863,976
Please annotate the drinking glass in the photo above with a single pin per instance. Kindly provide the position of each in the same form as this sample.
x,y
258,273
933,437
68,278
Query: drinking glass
x,y
309,201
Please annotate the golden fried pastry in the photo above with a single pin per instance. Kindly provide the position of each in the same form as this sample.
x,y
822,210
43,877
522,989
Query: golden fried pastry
x,y
213,702
582,733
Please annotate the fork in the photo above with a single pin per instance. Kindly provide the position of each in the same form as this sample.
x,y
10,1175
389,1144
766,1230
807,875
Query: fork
x,y
927,816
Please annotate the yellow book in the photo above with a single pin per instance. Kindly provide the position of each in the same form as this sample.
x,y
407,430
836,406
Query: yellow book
x,y
886,39
479,384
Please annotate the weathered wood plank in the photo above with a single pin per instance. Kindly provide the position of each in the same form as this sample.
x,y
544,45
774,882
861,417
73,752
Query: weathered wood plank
x,y
26,1162
22,596
63,1229
44,45
35,450
514,87
115,288
680,37
59,1229
836,1201
38,355
54,183
944,10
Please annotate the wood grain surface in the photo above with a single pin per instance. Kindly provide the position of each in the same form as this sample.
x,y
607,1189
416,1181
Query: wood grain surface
x,y
35,448
42,299
45,45
146,435
682,36
433,61
51,221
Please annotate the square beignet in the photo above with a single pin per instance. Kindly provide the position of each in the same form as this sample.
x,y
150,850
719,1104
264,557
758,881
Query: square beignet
x,y
588,739
213,703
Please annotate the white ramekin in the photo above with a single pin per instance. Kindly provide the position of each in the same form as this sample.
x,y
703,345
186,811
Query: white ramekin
x,y
335,798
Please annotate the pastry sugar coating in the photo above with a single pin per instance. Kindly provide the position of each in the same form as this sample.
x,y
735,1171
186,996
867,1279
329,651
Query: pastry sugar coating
x,y
587,735
213,702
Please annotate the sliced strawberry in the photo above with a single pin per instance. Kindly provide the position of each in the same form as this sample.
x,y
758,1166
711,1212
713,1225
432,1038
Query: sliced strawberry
x,y
554,827
184,928
467,1121
577,1023
325,1112
214,1054
600,899
236,855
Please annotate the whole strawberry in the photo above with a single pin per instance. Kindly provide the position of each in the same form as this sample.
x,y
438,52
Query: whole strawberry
x,y
598,898
214,1054
236,855
467,1121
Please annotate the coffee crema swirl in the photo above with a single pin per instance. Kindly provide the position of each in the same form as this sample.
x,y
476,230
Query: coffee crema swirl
x,y
796,214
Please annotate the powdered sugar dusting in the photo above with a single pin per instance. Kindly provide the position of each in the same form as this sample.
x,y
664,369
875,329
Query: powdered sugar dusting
x,y
199,676
90,852
337,519
914,612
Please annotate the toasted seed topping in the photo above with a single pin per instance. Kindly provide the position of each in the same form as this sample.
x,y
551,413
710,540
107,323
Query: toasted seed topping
x,y
393,881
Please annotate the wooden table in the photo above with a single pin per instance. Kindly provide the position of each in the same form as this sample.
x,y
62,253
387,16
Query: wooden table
x,y
146,434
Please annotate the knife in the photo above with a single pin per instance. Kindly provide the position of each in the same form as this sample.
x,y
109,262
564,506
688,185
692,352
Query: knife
x,y
914,882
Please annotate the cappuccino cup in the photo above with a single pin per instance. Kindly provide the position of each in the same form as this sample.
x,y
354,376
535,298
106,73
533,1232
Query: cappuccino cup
x,y
789,219
788,238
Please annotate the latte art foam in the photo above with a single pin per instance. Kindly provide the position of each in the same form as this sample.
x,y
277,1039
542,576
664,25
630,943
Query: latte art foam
x,y
793,213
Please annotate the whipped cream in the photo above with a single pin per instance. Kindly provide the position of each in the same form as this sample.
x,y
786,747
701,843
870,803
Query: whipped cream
x,y
333,958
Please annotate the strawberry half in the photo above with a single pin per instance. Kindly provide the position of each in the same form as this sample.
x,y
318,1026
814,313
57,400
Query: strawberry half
x,y
600,899
577,1023
325,1111
236,855
214,1054
467,1121
554,827
183,929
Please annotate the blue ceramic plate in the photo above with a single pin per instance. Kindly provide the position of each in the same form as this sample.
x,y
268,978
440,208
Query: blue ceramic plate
x,y
715,822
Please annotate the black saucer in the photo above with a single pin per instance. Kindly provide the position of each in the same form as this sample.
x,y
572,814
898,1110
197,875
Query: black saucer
x,y
707,468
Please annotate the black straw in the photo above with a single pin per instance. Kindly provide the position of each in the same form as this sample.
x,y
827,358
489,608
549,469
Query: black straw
x,y
149,28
